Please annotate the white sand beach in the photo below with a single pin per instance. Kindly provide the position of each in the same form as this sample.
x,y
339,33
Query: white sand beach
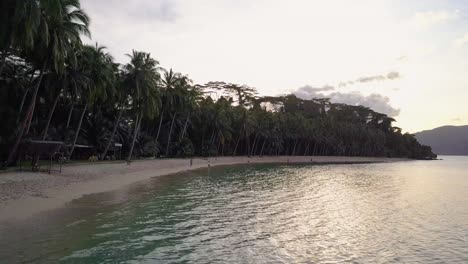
x,y
23,193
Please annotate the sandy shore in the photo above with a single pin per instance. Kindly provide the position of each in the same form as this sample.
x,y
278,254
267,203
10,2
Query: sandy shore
x,y
23,194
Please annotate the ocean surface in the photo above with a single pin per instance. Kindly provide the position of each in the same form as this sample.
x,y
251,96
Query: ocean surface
x,y
405,212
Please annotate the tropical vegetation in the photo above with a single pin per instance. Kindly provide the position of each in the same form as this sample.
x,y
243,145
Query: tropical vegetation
x,y
53,87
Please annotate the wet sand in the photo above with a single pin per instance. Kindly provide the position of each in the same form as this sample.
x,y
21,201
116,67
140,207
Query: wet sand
x,y
24,194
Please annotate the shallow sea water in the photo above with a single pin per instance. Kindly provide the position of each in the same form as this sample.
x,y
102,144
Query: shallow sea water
x,y
405,212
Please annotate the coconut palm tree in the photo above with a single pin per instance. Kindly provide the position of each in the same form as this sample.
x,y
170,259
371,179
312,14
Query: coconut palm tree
x,y
57,38
19,21
121,100
142,77
97,65
178,91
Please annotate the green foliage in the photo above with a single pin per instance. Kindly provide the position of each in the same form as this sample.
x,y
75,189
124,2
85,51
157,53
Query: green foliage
x,y
54,88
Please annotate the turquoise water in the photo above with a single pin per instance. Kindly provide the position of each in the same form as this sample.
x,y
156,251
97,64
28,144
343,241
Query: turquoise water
x,y
410,212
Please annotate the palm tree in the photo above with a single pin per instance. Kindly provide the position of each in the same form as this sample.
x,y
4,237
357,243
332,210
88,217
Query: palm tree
x,y
191,98
168,82
142,77
57,38
97,65
177,87
56,83
121,96
19,21
65,84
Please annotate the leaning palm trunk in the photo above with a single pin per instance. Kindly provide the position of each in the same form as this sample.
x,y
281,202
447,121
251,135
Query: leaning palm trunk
x,y
3,61
237,143
49,117
135,133
294,148
307,149
24,128
170,134
77,131
159,128
185,127
314,151
252,152
69,116
33,100
25,95
263,147
23,100
114,130
212,138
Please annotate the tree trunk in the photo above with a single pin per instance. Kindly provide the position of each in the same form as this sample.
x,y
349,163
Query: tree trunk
x,y
237,143
24,127
49,117
307,148
159,128
77,131
33,100
113,134
170,134
212,138
3,61
263,147
203,140
135,133
252,152
217,148
185,127
23,100
247,145
294,148
255,147
69,116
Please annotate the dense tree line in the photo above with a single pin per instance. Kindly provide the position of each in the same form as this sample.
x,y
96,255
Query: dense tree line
x,y
53,87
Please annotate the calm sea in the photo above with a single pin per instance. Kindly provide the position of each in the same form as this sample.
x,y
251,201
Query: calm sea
x,y
405,212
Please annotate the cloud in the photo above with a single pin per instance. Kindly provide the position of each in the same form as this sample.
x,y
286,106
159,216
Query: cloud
x,y
309,88
373,78
461,41
402,58
135,10
423,20
307,91
393,75
376,102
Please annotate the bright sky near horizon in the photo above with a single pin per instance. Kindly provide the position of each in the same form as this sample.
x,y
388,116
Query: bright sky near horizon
x,y
407,58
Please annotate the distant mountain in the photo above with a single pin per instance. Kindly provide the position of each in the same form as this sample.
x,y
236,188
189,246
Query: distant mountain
x,y
446,140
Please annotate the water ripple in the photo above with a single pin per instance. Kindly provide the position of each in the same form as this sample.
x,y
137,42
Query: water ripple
x,y
380,213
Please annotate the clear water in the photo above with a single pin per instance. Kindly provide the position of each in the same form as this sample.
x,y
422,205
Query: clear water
x,y
406,212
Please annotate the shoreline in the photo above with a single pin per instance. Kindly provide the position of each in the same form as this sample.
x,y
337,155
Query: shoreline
x,y
24,194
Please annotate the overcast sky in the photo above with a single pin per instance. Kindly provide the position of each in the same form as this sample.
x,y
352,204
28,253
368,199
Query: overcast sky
x,y
407,58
